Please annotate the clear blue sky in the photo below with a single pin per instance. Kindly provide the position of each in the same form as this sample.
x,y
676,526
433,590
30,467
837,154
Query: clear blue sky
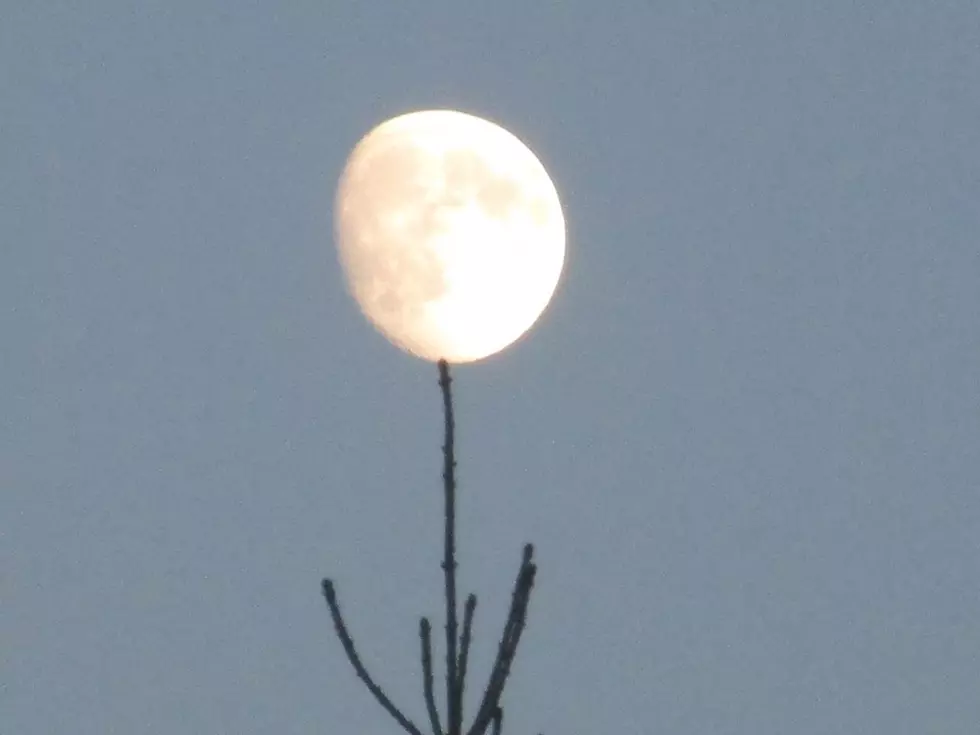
x,y
745,436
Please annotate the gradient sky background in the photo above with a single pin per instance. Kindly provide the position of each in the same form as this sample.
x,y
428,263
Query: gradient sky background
x,y
745,436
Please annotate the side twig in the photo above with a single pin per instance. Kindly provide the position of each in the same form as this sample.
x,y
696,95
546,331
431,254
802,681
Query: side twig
x,y
508,644
338,623
464,649
430,701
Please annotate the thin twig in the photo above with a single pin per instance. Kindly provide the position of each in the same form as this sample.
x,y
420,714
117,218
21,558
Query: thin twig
x,y
508,649
508,644
348,643
430,700
464,650
453,704
522,593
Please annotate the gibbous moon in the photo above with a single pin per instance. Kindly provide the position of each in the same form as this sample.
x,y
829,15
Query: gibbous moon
x,y
450,234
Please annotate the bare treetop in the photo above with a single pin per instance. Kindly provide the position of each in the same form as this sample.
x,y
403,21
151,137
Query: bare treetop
x,y
490,712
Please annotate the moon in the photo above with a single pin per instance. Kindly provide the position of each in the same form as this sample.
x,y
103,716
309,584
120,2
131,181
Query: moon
x,y
450,234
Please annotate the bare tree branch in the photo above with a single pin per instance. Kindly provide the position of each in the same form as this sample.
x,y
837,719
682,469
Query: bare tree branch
x,y
453,705
430,700
489,713
508,644
464,651
348,643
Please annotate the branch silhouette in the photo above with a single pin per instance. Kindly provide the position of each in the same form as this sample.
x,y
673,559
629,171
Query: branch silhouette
x,y
490,713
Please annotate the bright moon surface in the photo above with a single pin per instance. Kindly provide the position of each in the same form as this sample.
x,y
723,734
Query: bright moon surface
x,y
450,234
